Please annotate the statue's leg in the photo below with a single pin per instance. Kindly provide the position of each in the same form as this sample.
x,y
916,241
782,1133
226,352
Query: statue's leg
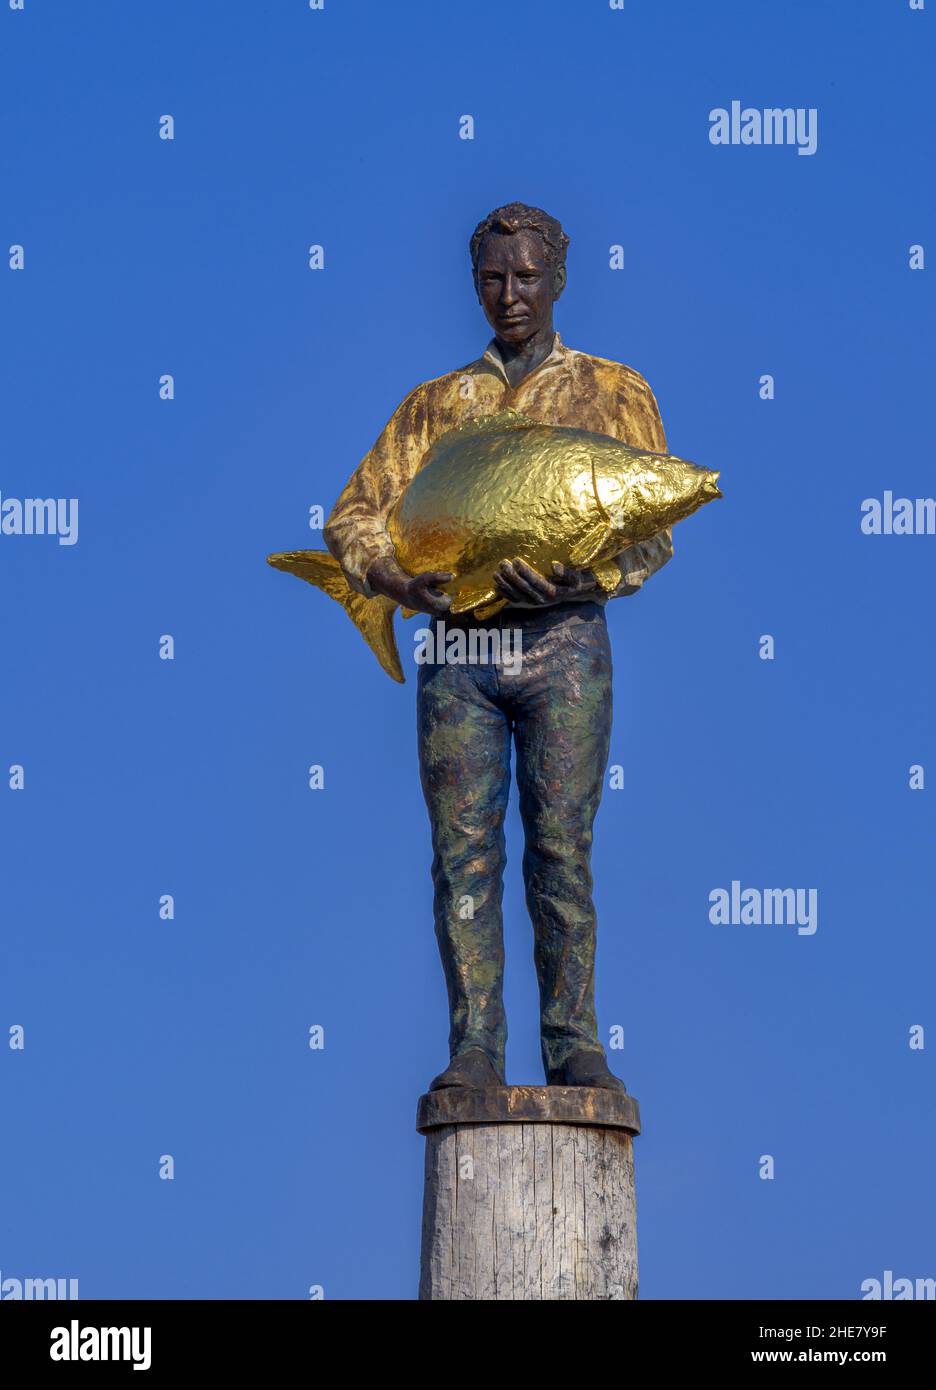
x,y
464,763
562,714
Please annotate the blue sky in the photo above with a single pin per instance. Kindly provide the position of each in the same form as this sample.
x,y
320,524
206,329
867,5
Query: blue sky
x,y
145,777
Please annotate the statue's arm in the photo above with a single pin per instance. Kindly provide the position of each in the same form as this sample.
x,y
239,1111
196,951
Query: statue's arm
x,y
642,428
356,531
638,562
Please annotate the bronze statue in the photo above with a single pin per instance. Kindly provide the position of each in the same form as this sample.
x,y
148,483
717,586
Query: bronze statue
x,y
547,452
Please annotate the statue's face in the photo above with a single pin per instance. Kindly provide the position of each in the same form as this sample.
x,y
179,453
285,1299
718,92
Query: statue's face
x,y
516,287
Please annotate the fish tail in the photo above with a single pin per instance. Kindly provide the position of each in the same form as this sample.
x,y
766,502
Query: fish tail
x,y
373,617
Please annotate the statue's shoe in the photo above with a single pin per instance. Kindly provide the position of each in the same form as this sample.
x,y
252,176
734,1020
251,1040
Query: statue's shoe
x,y
586,1069
473,1068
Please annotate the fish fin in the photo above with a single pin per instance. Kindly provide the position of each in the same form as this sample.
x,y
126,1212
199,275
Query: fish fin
x,y
586,550
373,617
409,612
487,610
608,574
473,598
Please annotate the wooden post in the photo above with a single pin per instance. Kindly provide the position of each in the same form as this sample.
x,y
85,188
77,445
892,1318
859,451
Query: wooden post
x,y
529,1194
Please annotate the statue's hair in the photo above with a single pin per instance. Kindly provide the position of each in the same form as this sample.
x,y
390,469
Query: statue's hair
x,y
518,217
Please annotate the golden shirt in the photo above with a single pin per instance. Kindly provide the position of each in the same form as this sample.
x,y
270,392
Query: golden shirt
x,y
568,388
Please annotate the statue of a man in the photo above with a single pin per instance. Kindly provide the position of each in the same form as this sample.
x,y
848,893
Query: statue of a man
x,y
556,707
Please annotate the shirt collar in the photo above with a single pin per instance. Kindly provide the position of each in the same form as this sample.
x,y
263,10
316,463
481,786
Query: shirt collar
x,y
492,355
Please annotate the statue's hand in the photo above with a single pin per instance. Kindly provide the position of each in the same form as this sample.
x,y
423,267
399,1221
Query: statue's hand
x,y
420,592
424,595
520,583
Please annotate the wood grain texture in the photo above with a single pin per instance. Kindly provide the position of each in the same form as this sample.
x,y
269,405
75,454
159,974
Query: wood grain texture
x,y
529,1211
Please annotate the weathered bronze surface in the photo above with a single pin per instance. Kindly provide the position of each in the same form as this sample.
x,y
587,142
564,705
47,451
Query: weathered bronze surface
x,y
557,1105
555,712
535,477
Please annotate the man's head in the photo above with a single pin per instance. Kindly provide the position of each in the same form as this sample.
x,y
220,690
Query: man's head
x,y
518,260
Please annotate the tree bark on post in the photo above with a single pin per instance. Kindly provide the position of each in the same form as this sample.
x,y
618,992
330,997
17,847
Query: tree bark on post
x,y
529,1194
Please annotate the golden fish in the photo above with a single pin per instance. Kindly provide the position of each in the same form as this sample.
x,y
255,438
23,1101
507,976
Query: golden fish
x,y
505,488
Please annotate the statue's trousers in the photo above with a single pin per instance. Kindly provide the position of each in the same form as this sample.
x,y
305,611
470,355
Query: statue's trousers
x,y
551,692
